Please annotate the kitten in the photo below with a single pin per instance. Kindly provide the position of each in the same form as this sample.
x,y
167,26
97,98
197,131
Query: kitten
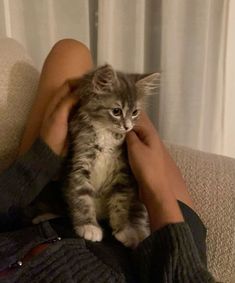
x,y
100,183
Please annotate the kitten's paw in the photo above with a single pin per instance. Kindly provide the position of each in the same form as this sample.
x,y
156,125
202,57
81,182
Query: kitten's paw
x,y
90,232
131,236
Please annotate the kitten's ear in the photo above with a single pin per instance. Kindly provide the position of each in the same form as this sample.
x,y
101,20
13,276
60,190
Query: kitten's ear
x,y
148,84
104,79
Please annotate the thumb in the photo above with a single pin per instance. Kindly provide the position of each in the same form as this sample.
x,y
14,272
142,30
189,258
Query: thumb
x,y
64,107
132,139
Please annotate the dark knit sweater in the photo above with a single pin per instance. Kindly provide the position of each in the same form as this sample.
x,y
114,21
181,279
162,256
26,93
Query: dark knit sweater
x,y
167,255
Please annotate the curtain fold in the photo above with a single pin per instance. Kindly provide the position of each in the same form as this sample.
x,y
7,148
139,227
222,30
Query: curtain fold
x,y
229,83
121,34
193,48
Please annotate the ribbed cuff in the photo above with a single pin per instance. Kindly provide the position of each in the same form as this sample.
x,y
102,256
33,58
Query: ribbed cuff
x,y
171,254
172,235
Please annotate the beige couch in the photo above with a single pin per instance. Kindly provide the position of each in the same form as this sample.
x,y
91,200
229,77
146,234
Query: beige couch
x,y
210,178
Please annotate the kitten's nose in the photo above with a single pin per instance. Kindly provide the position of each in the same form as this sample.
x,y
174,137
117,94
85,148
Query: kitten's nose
x,y
127,125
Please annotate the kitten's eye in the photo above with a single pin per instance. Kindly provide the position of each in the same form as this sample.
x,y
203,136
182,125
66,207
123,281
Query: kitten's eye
x,y
135,113
117,111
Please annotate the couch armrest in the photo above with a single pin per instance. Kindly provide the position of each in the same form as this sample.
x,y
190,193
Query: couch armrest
x,y
211,182
18,84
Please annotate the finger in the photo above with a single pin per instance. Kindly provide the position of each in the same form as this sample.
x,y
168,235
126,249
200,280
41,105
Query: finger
x,y
132,139
145,122
64,107
145,130
58,96
143,135
134,145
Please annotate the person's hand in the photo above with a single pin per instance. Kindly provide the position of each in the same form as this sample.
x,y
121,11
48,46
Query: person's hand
x,y
147,155
156,174
54,128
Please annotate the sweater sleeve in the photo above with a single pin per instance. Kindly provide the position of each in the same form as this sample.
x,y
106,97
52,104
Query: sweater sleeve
x,y
27,176
170,255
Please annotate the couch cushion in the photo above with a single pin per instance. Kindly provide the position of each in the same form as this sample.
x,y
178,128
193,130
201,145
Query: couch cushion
x,y
210,179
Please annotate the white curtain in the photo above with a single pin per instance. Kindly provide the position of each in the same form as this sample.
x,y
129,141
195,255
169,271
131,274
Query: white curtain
x,y
229,84
121,32
190,41
193,58
37,25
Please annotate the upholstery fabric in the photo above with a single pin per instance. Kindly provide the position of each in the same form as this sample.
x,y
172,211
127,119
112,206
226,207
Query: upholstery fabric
x,y
210,178
18,82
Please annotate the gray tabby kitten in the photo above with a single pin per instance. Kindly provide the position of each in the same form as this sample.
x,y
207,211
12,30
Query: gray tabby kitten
x,y
100,184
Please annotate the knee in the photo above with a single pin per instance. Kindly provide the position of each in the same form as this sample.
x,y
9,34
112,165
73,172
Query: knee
x,y
69,44
71,47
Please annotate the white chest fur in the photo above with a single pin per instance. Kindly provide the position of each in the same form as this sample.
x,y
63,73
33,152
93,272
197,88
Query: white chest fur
x,y
106,161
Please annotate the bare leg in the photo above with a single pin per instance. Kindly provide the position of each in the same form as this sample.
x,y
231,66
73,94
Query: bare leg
x,y
67,59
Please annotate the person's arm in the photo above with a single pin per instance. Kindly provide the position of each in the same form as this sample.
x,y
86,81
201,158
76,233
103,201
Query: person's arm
x,y
157,175
28,175
25,178
169,254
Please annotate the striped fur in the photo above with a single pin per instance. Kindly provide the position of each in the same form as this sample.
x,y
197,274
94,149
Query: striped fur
x,y
100,184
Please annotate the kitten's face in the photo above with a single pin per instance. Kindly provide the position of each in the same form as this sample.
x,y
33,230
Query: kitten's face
x,y
118,115
123,118
116,99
